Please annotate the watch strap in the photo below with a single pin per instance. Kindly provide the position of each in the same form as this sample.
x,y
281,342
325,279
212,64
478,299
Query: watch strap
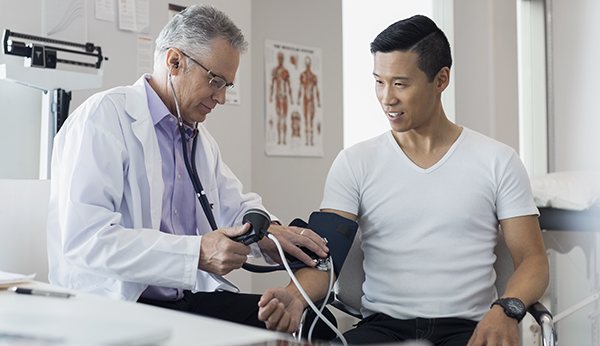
x,y
513,307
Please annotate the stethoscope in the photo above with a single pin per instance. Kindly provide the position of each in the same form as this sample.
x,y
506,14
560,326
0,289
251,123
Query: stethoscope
x,y
204,202
191,169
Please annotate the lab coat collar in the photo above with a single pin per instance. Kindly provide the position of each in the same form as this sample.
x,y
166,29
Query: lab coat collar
x,y
136,106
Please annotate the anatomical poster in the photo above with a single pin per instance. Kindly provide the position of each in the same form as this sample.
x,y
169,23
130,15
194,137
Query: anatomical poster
x,y
293,100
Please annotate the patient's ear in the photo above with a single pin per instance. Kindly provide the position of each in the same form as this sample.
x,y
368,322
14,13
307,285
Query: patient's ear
x,y
442,79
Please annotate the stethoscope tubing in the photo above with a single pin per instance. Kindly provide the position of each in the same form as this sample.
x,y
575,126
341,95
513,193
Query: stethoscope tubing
x,y
191,169
193,173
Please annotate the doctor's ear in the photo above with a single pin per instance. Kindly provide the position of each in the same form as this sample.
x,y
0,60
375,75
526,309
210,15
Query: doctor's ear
x,y
173,59
173,68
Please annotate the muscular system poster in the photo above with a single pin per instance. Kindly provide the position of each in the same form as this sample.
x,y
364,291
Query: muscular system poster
x,y
294,107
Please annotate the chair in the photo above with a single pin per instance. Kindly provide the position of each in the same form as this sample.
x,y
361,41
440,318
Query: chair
x,y
23,218
348,290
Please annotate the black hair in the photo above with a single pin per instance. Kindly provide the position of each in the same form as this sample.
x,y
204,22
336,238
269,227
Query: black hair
x,y
420,35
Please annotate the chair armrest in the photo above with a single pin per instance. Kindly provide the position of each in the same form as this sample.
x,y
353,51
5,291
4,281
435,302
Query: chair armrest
x,y
538,310
346,309
544,318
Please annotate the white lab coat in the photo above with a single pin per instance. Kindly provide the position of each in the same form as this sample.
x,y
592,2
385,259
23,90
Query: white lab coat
x,y
106,200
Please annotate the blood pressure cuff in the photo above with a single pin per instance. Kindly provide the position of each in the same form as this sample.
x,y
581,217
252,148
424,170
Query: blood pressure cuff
x,y
339,232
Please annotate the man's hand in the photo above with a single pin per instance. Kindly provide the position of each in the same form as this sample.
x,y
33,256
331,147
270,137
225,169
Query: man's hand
x,y
219,254
281,310
291,239
496,329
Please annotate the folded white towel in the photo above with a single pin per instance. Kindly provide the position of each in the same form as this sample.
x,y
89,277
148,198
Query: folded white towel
x,y
573,190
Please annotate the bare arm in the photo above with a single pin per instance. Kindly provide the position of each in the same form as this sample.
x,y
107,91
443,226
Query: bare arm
x,y
281,308
528,283
524,240
341,213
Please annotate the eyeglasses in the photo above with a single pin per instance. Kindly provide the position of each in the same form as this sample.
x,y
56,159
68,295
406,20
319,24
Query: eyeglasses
x,y
216,82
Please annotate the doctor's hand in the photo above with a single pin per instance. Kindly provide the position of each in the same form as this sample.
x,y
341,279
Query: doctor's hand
x,y
219,254
291,239
495,329
281,310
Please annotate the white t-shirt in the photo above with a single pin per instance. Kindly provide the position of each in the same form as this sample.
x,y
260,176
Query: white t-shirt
x,y
429,234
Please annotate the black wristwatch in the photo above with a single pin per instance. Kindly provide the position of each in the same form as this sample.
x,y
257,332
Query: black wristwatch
x,y
513,307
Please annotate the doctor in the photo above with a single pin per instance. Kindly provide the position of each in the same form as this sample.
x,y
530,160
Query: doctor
x,y
124,219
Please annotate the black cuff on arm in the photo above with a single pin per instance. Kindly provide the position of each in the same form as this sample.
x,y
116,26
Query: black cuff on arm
x,y
338,230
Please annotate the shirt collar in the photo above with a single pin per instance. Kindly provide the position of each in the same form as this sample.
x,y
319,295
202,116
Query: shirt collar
x,y
158,109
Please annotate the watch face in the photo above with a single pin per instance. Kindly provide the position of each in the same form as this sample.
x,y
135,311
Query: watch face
x,y
514,308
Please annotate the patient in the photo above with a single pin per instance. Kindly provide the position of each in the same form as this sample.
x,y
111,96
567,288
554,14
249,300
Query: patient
x,y
429,196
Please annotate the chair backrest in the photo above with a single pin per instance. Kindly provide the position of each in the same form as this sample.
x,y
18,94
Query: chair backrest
x,y
348,287
504,265
23,218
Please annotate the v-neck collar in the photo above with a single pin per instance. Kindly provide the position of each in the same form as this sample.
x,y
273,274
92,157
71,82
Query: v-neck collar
x,y
435,166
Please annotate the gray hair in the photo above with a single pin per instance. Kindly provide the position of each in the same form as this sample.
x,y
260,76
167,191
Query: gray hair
x,y
194,31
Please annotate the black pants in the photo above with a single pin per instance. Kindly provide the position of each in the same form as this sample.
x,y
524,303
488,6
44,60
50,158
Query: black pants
x,y
234,307
380,329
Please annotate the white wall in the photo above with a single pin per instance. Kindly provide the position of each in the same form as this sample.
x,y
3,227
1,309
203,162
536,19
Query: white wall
x,y
485,56
25,217
576,54
20,106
